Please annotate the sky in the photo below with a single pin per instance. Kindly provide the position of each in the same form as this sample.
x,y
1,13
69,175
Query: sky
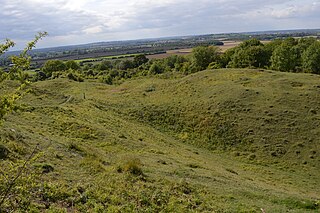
x,y
85,21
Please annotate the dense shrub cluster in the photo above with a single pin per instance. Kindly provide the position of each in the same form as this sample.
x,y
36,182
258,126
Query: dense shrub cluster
x,y
289,55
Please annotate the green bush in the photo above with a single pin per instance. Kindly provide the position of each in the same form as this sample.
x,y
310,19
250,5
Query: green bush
x,y
106,79
74,147
133,166
46,168
53,66
17,191
4,152
56,75
75,77
203,56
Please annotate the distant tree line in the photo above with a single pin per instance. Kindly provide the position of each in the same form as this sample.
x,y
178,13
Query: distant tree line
x,y
287,55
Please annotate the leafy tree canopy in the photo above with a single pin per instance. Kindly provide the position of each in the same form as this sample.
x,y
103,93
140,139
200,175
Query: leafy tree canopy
x,y
20,64
53,66
311,58
203,56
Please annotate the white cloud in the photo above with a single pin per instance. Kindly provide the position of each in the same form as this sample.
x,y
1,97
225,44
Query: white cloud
x,y
93,30
81,21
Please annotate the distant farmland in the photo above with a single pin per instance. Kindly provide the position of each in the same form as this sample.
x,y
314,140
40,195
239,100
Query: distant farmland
x,y
186,51
169,53
99,57
227,45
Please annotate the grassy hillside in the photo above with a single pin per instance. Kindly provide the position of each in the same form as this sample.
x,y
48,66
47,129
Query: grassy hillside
x,y
273,115
222,140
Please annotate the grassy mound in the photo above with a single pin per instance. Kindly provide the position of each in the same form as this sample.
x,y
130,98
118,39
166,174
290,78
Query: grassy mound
x,y
222,140
265,116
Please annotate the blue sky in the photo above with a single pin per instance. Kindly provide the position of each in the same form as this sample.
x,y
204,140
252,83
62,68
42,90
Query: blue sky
x,y
83,21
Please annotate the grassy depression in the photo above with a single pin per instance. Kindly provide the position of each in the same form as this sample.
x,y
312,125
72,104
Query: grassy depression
x,y
222,140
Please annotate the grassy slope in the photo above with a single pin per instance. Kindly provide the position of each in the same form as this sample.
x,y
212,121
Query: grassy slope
x,y
267,113
224,140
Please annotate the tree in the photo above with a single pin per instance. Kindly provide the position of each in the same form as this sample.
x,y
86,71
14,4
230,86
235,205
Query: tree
x,y
226,58
53,66
16,177
311,58
270,47
252,56
71,64
125,64
203,56
290,41
6,46
250,53
20,64
304,43
140,59
285,57
157,68
250,43
174,61
104,65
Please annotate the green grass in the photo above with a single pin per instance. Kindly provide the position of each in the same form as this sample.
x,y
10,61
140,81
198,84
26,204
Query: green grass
x,y
223,140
